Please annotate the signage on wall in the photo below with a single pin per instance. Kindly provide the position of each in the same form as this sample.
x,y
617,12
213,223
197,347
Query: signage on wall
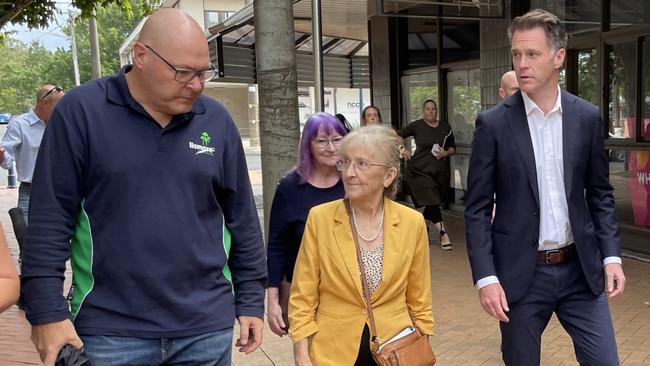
x,y
639,184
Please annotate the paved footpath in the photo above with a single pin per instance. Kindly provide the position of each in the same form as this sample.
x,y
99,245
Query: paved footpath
x,y
465,335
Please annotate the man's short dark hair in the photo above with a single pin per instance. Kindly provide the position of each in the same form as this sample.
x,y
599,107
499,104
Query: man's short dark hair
x,y
553,27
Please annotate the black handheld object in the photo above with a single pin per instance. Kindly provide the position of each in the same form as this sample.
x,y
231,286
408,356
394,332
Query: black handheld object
x,y
346,124
69,356
19,224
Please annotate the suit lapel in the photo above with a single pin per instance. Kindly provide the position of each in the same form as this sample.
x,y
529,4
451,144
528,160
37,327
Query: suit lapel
x,y
570,136
345,242
515,114
391,246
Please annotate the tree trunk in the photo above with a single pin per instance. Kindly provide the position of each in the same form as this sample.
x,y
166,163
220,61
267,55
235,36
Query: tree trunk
x,y
275,56
95,62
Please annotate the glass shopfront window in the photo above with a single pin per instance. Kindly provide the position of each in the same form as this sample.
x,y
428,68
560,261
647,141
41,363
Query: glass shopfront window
x,y
347,101
422,43
629,12
460,41
417,88
645,124
587,71
630,166
463,104
578,15
630,178
214,17
622,83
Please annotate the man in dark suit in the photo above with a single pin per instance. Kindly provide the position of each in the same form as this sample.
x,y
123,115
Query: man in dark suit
x,y
553,245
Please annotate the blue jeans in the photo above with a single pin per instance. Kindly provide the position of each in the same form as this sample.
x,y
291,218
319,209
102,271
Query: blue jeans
x,y
209,349
23,199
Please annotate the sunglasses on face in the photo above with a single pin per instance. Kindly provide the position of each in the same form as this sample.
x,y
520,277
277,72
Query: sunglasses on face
x,y
57,89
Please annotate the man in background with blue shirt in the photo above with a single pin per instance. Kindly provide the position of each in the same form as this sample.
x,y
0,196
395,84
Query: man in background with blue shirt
x,y
142,182
23,137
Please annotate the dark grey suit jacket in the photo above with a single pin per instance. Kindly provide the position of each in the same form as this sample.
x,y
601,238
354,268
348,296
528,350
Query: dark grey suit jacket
x,y
503,162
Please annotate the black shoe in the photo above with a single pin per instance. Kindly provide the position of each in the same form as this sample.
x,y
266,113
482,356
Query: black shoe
x,y
444,246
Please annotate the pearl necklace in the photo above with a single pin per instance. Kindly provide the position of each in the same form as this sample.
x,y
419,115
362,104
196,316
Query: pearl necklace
x,y
356,226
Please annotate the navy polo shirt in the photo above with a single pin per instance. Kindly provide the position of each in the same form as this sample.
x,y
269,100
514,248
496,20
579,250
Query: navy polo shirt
x,y
160,223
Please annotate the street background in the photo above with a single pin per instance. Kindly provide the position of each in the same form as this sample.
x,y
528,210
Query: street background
x,y
465,335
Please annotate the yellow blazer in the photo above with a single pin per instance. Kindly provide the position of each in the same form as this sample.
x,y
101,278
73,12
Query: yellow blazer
x,y
326,302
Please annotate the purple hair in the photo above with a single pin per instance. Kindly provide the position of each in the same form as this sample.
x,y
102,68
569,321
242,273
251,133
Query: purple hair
x,y
330,124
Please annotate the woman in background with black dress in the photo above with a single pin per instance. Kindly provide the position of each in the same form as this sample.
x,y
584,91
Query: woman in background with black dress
x,y
426,171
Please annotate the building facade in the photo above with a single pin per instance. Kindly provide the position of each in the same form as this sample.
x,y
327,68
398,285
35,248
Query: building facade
x,y
456,51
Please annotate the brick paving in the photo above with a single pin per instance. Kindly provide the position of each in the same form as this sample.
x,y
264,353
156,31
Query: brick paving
x,y
465,335
15,345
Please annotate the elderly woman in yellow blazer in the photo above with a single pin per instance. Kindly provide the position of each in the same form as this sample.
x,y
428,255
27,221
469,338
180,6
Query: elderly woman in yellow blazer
x,y
329,321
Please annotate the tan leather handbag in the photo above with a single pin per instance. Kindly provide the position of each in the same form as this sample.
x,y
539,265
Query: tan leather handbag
x,y
409,347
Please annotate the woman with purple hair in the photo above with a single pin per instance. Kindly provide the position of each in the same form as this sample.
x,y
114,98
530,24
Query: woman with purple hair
x,y
315,180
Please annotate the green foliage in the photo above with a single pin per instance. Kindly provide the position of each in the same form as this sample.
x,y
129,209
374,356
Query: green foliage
x,y
622,84
467,101
21,74
25,67
587,76
40,13
34,14
113,28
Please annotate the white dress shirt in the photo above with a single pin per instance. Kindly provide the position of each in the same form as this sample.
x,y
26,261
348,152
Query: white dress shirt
x,y
21,143
546,135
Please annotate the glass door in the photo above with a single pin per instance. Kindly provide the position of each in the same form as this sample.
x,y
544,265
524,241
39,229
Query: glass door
x,y
463,104
416,88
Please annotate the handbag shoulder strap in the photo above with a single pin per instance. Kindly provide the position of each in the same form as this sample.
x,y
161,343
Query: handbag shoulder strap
x,y
364,281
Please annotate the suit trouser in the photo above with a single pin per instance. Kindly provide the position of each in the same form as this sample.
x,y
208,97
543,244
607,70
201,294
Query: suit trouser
x,y
563,289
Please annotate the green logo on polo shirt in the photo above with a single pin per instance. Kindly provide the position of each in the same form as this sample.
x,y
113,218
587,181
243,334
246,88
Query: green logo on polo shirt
x,y
204,148
205,138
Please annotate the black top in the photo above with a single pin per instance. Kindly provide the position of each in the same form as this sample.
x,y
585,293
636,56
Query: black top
x,y
425,175
291,205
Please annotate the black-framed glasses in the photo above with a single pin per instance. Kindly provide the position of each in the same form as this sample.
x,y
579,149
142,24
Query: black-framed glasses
x,y
360,165
186,75
58,89
322,143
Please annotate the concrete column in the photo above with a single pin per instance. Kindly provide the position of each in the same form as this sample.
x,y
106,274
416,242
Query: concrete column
x,y
385,67
275,56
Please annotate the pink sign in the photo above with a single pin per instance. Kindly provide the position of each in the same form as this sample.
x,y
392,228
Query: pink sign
x,y
639,182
